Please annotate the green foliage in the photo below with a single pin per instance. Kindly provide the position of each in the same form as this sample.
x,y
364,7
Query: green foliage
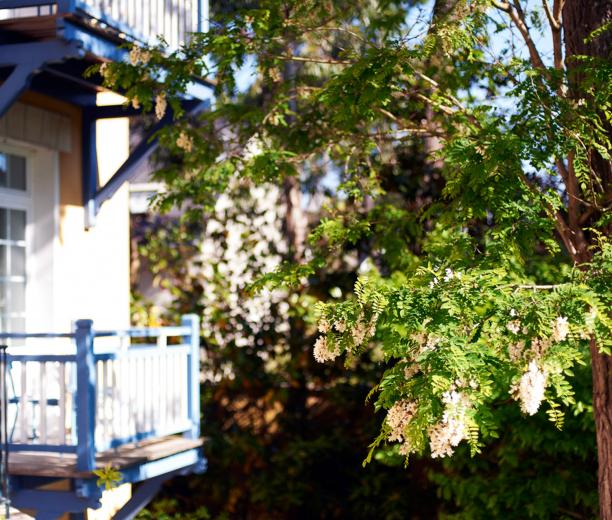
x,y
470,187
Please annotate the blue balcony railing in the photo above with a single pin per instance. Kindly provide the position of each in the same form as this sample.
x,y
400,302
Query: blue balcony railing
x,y
141,20
89,391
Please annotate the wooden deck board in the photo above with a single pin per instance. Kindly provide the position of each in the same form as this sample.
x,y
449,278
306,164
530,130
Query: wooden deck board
x,y
64,465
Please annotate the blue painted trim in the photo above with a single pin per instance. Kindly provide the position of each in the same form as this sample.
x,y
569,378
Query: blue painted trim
x,y
28,58
140,498
50,402
93,41
46,448
43,358
35,335
51,51
52,502
141,153
143,332
193,373
17,4
182,463
86,396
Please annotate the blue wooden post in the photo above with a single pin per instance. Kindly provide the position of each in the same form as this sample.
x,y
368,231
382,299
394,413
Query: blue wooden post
x,y
193,373
86,395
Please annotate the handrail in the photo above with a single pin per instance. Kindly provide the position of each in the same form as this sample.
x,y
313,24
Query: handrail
x,y
103,396
36,335
143,332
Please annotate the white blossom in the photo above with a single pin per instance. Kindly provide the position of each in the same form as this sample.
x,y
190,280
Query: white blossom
x,y
448,274
253,148
161,104
184,142
323,325
340,326
531,389
560,328
321,352
433,283
138,55
452,429
412,370
398,417
515,350
514,326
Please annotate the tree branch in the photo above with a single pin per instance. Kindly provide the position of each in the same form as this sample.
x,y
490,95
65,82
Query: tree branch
x,y
554,18
518,17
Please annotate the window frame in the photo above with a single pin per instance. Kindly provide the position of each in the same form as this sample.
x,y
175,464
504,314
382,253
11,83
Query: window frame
x,y
20,200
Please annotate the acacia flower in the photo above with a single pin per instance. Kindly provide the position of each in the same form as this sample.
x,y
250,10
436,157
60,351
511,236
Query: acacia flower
x,y
531,389
515,350
184,142
321,352
398,417
560,328
323,325
160,105
340,326
452,429
514,326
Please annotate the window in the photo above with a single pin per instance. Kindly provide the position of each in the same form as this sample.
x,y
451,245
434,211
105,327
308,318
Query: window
x,y
14,208
12,171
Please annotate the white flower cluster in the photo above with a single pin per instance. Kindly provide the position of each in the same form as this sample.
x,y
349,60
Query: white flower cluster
x,y
243,240
452,429
161,105
560,328
516,350
138,55
253,148
184,142
398,417
530,391
449,275
364,329
514,326
322,352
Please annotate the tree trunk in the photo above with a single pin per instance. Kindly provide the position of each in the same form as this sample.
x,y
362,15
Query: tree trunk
x,y
602,408
580,19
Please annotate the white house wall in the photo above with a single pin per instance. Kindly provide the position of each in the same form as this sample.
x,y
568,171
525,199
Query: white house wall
x,y
73,273
93,266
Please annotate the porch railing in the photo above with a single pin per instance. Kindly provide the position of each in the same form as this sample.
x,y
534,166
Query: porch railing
x,y
103,389
143,20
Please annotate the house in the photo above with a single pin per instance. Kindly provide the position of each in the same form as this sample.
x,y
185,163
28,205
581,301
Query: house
x,y
82,389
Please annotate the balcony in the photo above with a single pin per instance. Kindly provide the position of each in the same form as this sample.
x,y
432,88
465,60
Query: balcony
x,y
79,401
141,20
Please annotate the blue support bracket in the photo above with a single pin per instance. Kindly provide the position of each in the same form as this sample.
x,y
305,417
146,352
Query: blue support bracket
x,y
139,155
140,498
28,59
53,502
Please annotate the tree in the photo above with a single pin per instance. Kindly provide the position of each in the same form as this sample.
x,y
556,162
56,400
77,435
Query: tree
x,y
462,320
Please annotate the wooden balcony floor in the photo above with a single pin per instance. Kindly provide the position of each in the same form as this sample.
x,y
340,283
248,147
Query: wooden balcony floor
x,y
36,464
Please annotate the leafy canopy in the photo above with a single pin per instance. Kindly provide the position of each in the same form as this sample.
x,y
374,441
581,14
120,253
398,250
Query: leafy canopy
x,y
463,321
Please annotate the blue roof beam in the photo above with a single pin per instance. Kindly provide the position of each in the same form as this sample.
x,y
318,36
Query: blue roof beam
x,y
27,60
